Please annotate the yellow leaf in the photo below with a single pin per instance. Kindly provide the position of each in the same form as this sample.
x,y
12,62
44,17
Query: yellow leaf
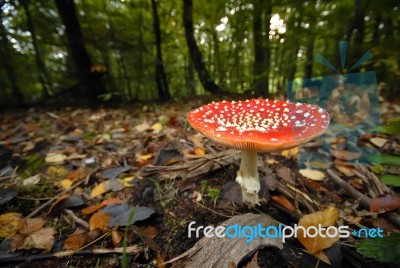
x,y
127,181
290,153
9,224
199,151
325,218
378,142
66,184
52,158
311,174
157,127
143,157
98,190
99,220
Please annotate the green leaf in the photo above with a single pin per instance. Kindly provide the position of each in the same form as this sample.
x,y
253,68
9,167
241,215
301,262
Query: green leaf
x,y
393,126
390,179
34,162
385,159
386,249
378,169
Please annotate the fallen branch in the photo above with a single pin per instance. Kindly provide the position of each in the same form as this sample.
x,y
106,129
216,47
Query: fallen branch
x,y
100,251
364,200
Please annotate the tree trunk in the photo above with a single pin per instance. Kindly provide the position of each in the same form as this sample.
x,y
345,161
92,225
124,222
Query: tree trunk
x,y
309,58
195,54
91,80
161,77
44,75
6,59
262,55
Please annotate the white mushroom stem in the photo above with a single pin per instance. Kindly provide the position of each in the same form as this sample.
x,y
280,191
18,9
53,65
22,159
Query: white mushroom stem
x,y
248,178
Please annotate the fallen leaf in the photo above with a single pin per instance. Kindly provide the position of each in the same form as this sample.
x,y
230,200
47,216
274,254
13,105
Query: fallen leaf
x,y
284,202
30,225
157,127
291,153
32,180
348,171
9,224
325,218
106,202
78,174
199,151
75,240
66,184
286,174
99,220
346,155
6,195
41,239
384,203
311,174
125,215
112,173
98,190
116,237
53,158
378,142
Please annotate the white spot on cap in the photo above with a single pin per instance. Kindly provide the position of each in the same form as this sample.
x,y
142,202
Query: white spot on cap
x,y
307,114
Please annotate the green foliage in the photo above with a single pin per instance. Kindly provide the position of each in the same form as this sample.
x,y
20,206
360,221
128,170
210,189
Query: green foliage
x,y
390,179
386,249
212,192
393,126
385,159
33,163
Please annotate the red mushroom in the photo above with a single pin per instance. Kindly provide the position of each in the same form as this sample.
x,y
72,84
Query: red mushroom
x,y
258,125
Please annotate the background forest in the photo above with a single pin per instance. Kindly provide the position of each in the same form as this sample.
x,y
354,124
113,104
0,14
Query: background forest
x,y
130,50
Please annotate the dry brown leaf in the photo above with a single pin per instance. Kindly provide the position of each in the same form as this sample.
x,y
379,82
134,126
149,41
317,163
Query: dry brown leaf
x,y
78,174
30,225
378,142
286,174
284,202
150,231
99,220
311,174
346,170
346,155
9,224
116,237
106,202
53,158
42,239
75,240
326,218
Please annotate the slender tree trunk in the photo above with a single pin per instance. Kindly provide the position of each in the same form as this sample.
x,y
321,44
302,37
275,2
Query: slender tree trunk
x,y
44,75
308,69
7,62
92,81
161,77
262,54
195,54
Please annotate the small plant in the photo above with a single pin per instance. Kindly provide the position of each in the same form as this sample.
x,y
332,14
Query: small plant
x,y
209,191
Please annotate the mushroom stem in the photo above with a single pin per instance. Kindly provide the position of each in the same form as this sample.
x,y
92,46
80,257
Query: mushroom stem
x,y
248,178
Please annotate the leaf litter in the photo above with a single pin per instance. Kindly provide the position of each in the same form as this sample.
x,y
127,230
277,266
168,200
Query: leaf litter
x,y
141,174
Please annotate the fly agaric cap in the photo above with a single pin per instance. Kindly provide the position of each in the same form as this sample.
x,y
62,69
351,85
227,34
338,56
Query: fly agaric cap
x,y
258,124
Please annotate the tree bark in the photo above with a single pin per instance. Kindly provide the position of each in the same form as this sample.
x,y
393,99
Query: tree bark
x,y
91,80
262,55
195,54
7,62
308,69
44,75
161,77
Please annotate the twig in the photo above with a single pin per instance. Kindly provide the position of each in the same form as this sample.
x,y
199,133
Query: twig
x,y
213,211
77,219
13,259
33,213
364,200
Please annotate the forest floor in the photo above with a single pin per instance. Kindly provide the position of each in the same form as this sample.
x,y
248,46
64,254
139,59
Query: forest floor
x,y
75,182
